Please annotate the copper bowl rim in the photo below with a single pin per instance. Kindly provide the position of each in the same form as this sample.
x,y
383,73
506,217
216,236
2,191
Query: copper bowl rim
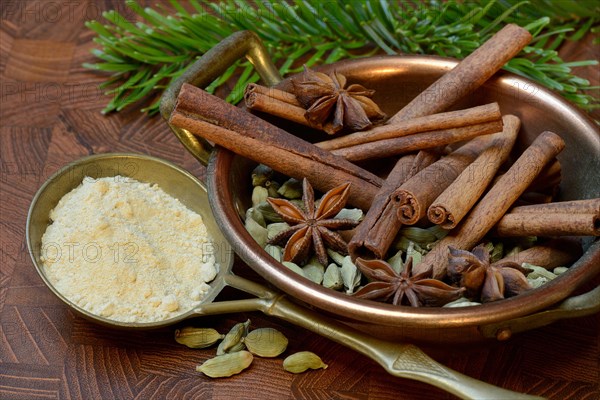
x,y
341,305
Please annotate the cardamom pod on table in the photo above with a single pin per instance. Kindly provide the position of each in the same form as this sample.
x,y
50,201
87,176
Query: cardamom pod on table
x,y
226,365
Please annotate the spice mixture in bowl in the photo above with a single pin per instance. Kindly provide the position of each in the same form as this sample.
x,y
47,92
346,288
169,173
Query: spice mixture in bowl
x,y
455,168
230,191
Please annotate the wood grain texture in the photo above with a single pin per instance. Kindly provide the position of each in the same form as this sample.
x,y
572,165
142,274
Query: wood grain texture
x,y
50,115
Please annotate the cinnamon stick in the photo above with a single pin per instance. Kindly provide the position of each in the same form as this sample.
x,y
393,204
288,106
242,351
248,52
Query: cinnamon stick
x,y
554,253
272,93
495,203
208,116
548,224
458,198
279,104
531,198
376,232
588,206
410,143
468,75
548,180
435,122
417,193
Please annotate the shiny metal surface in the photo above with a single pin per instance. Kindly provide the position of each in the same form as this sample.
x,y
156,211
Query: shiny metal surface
x,y
397,79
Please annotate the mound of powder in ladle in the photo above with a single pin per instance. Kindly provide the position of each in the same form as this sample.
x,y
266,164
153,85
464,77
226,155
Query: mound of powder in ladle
x,y
127,251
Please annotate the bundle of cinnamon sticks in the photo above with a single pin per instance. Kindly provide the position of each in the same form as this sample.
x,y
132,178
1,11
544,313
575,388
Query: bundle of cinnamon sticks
x,y
450,168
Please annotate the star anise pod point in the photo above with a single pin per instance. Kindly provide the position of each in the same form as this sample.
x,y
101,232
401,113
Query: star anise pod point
x,y
326,98
416,290
484,280
312,225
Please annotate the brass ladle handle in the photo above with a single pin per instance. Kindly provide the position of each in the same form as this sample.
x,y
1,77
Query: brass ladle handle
x,y
208,68
398,359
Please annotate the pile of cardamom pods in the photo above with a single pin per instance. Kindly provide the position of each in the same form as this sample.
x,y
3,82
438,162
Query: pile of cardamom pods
x,y
263,223
238,347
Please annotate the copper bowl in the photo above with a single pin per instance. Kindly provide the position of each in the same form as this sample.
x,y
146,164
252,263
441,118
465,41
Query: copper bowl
x,y
398,79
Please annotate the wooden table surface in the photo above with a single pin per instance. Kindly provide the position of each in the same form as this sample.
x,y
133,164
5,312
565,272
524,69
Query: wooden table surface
x,y
50,115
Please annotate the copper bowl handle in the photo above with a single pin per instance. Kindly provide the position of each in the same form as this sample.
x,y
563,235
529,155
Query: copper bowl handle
x,y
208,68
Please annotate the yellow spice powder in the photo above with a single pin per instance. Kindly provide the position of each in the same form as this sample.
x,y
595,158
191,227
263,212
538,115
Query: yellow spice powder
x,y
127,251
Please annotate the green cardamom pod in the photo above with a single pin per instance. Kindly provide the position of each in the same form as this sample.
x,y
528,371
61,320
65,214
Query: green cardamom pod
x,y
418,235
268,213
497,252
272,188
276,228
274,251
291,189
537,271
266,342
256,216
336,257
314,270
415,252
351,275
294,267
197,338
258,232
438,231
396,262
233,340
259,194
332,279
226,365
261,174
300,362
354,214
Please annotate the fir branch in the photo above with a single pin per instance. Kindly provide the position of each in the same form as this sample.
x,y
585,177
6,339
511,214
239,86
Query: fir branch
x,y
143,57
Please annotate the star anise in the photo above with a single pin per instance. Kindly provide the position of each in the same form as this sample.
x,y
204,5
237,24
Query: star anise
x,y
312,226
418,290
326,98
488,282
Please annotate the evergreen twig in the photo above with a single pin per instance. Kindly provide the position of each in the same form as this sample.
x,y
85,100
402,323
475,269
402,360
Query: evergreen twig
x,y
143,57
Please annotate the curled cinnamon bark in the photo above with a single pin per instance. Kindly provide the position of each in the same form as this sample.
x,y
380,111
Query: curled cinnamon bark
x,y
279,104
458,198
548,224
468,75
496,202
587,206
435,122
426,140
416,194
272,93
208,116
554,253
374,235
